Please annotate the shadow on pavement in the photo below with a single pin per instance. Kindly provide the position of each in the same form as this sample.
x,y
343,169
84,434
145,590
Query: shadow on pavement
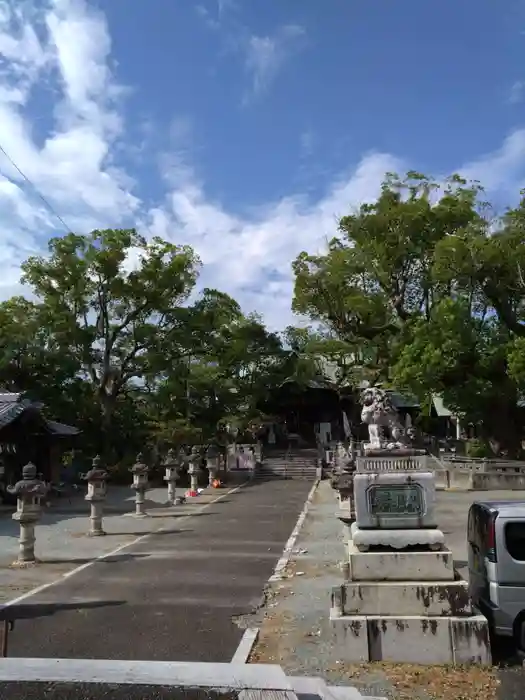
x,y
57,517
85,560
504,653
30,611
143,533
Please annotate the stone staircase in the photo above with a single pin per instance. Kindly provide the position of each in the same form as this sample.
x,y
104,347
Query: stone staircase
x,y
294,463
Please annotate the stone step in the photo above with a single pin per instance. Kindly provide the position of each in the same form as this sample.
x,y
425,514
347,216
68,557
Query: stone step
x,y
288,464
279,470
397,565
412,639
307,476
283,467
436,598
313,688
270,465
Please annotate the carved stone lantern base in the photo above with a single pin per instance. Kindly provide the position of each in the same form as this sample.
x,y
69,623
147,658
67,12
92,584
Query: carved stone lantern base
x,y
24,564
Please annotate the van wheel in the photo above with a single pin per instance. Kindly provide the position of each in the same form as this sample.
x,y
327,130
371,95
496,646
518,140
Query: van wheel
x,y
519,632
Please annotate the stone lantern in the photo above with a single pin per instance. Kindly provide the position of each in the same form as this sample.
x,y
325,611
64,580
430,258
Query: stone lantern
x,y
96,479
171,464
193,468
212,462
29,491
140,485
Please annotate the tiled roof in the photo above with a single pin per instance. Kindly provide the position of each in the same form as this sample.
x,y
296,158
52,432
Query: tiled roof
x,y
11,408
61,428
13,405
403,401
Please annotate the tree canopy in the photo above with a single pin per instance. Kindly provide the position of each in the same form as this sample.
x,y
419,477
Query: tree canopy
x,y
422,289
425,287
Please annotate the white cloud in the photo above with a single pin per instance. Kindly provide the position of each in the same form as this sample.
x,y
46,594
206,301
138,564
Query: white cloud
x,y
74,166
307,143
266,55
71,166
501,170
250,257
517,91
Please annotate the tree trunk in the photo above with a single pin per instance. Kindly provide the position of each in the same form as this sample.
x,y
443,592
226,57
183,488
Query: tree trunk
x,y
504,427
107,408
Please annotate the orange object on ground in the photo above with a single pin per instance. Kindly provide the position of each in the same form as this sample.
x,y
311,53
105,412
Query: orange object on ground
x,y
216,483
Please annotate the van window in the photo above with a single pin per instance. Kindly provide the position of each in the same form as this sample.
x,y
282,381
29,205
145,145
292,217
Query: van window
x,y
515,540
477,529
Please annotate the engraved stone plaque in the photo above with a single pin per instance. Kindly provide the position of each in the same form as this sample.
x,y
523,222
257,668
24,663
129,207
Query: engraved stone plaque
x,y
397,499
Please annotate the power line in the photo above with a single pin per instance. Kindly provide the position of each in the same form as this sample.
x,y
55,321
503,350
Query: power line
x,y
35,188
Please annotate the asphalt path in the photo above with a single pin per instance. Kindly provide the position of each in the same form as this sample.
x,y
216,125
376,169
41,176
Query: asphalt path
x,y
103,691
173,596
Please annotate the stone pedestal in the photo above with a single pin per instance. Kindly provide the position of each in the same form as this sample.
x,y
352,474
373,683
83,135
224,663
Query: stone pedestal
x,y
96,495
29,492
343,484
231,457
212,464
140,485
402,600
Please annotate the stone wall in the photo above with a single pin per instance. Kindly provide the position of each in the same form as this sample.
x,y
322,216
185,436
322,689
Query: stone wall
x,y
480,475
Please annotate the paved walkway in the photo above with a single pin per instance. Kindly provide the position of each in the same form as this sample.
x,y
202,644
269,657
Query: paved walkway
x,y
62,544
170,596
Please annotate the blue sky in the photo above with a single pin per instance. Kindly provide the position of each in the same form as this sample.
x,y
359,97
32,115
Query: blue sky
x,y
247,127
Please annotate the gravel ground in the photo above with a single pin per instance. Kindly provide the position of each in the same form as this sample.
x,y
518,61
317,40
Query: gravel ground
x,y
295,629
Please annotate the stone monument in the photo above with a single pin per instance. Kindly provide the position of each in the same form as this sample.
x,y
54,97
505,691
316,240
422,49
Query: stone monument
x,y
403,600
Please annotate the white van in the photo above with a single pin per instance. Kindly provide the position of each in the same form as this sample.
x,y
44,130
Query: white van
x,y
496,563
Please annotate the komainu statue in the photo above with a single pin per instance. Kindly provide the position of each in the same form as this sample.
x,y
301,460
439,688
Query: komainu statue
x,y
384,427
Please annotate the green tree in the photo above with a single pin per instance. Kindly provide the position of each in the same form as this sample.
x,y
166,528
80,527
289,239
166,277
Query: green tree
x,y
424,289
376,277
108,300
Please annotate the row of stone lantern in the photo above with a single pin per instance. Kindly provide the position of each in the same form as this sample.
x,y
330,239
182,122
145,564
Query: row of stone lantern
x,y
30,490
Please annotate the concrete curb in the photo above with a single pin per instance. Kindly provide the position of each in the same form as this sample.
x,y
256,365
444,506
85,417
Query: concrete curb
x,y
249,638
288,548
243,651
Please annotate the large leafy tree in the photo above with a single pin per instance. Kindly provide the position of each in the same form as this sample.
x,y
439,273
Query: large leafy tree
x,y
31,363
376,277
426,290
108,300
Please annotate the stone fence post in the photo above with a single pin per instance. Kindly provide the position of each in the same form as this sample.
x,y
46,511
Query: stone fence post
x,y
29,492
